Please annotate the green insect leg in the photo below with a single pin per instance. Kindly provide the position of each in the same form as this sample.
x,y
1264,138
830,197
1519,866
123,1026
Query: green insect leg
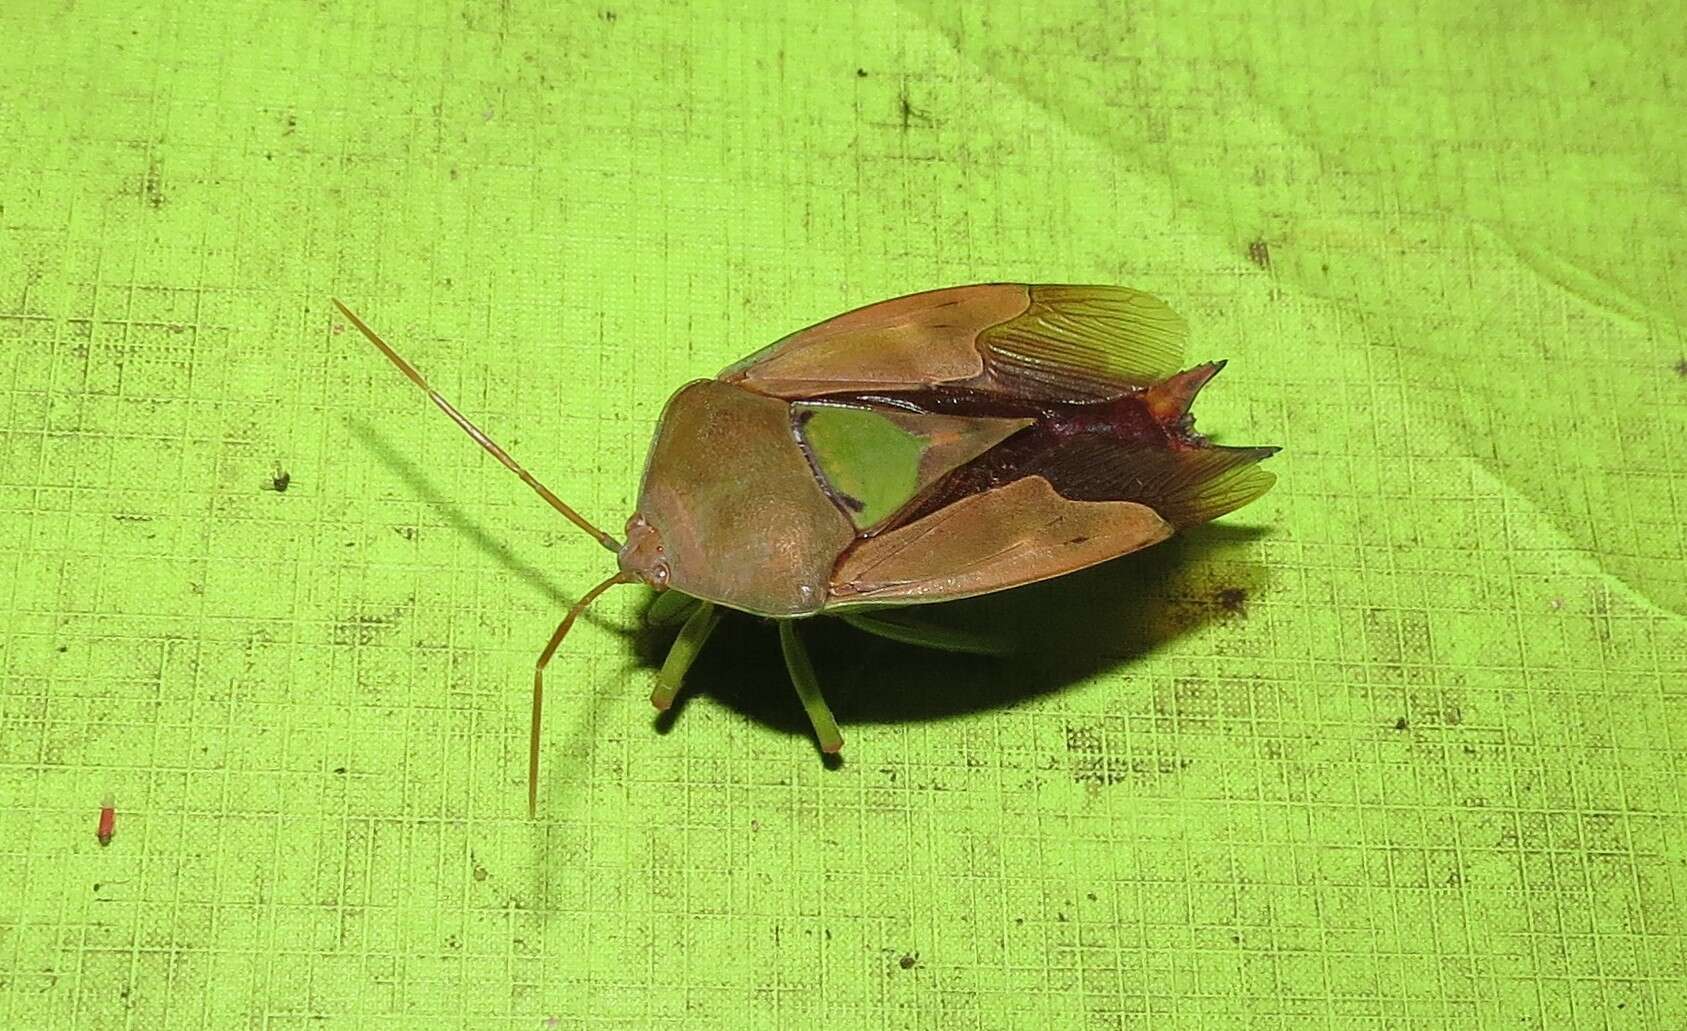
x,y
928,635
684,652
808,688
670,607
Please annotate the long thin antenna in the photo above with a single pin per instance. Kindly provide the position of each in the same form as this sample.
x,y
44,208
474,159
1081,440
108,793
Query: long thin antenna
x,y
539,682
474,431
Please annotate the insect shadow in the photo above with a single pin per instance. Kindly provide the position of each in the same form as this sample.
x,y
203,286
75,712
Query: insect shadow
x,y
1064,631
416,480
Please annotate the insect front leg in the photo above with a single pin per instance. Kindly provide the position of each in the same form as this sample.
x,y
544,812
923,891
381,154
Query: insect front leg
x,y
808,688
684,652
670,607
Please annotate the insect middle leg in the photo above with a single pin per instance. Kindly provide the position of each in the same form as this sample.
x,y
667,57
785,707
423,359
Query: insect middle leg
x,y
808,688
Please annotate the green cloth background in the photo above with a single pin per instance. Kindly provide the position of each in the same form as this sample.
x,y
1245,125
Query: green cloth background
x,y
1403,745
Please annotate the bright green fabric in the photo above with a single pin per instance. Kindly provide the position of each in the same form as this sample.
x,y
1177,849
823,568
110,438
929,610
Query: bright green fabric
x,y
1401,745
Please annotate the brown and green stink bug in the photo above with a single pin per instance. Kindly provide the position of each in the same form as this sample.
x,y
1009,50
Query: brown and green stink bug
x,y
937,446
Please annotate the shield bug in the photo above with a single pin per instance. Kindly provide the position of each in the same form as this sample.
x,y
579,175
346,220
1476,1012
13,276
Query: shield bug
x,y
932,447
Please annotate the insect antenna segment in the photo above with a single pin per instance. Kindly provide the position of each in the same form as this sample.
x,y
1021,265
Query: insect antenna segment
x,y
543,491
539,682
474,431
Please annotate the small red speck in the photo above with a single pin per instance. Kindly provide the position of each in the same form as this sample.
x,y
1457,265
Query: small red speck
x,y
108,825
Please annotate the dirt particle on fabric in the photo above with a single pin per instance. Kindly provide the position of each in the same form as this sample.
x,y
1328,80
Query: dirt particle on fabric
x,y
281,482
908,114
1400,724
361,628
152,185
1259,252
908,961
1233,600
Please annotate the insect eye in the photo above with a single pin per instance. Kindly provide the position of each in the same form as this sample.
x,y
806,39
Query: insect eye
x,y
659,572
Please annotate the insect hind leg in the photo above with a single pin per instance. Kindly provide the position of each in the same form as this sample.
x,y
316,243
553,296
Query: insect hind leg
x,y
906,630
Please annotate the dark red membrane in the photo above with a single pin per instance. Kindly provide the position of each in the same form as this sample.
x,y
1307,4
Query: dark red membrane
x,y
1139,447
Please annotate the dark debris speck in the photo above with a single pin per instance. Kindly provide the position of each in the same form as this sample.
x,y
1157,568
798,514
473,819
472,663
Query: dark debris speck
x,y
152,186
